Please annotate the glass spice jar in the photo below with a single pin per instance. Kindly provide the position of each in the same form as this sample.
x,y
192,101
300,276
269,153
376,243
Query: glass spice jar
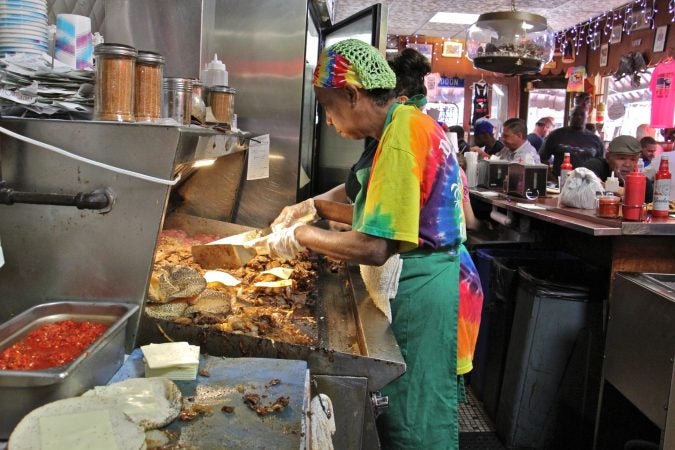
x,y
608,205
148,89
115,73
221,100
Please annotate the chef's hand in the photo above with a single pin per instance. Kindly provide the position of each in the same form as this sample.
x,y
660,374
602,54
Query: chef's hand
x,y
283,244
304,212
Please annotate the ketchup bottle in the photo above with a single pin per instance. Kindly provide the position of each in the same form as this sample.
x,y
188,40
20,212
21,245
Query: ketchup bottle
x,y
635,185
565,169
662,189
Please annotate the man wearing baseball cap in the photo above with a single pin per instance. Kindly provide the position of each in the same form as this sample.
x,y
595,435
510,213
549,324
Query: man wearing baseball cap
x,y
622,156
484,140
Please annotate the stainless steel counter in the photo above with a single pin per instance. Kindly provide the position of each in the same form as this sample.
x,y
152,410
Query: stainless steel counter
x,y
582,220
55,252
639,351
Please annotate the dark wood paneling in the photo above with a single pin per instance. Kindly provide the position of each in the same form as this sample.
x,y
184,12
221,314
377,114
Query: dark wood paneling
x,y
591,58
463,68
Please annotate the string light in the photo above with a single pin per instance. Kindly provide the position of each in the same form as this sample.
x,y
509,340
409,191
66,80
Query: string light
x,y
631,16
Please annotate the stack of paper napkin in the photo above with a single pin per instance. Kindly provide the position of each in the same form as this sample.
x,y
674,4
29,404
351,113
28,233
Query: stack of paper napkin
x,y
173,360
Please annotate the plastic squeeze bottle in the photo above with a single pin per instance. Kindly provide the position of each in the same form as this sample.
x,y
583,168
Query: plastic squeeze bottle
x,y
662,189
215,73
634,195
612,183
565,169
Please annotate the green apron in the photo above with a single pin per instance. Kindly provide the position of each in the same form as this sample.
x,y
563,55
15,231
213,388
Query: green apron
x,y
422,412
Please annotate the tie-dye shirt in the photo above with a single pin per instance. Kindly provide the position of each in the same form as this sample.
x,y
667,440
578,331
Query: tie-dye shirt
x,y
470,307
415,191
470,292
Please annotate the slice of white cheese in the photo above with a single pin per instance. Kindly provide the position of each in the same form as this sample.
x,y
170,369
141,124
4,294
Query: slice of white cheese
x,y
274,284
79,431
280,272
170,354
75,423
216,276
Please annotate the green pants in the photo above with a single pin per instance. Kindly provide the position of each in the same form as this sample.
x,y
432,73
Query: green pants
x,y
422,412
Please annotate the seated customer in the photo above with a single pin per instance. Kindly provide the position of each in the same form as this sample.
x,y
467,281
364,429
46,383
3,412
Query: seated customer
x,y
622,156
541,129
484,140
461,143
516,146
648,145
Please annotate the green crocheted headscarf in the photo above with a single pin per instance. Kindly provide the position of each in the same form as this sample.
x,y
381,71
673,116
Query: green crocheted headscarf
x,y
353,62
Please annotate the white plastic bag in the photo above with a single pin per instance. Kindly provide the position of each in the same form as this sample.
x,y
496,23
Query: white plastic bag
x,y
579,189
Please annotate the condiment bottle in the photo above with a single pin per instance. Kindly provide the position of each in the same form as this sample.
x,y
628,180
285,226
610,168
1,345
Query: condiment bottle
x,y
215,73
115,74
608,205
612,183
634,195
148,91
221,101
662,189
177,102
565,169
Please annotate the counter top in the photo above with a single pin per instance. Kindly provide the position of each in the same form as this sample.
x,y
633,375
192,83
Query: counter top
x,y
223,382
583,220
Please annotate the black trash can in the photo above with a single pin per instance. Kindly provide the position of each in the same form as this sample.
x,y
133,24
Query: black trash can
x,y
498,270
552,372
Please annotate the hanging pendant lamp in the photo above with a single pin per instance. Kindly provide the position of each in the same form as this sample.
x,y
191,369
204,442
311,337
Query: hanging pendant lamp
x,y
510,42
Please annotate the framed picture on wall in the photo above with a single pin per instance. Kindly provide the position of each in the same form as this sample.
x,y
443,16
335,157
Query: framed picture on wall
x,y
595,43
615,37
452,49
660,38
604,53
425,49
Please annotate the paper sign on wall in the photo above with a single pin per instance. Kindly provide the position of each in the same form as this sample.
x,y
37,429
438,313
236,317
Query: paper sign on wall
x,y
259,158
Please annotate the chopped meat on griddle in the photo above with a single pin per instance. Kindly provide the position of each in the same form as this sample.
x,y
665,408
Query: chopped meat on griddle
x,y
278,313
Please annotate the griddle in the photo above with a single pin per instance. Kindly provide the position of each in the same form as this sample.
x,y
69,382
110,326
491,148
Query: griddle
x,y
347,347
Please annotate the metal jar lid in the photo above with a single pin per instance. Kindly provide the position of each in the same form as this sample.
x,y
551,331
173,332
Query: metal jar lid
x,y
226,89
178,84
115,49
150,57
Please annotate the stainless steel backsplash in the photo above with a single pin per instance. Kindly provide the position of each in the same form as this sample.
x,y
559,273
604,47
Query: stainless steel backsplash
x,y
94,9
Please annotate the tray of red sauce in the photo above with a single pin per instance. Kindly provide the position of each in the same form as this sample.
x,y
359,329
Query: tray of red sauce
x,y
58,350
51,345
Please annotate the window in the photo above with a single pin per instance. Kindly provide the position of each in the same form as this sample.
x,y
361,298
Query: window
x,y
627,106
546,103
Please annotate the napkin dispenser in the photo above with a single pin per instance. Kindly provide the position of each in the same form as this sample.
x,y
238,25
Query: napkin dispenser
x,y
492,173
527,180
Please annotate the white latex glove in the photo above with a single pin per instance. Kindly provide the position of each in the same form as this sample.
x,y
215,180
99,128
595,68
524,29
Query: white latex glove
x,y
304,212
281,243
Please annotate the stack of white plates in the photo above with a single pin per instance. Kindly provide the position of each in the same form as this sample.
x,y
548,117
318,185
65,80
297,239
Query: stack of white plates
x,y
23,26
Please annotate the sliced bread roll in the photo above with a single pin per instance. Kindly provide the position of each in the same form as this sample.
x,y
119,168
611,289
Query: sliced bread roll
x,y
148,402
79,423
